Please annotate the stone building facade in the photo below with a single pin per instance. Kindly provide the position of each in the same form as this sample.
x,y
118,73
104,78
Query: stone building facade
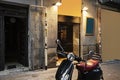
x,y
28,29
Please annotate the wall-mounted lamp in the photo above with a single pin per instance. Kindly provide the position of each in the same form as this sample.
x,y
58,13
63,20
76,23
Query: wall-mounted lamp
x,y
85,9
59,3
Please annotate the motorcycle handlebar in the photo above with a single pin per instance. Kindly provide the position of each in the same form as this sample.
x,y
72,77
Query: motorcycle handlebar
x,y
59,44
62,53
78,58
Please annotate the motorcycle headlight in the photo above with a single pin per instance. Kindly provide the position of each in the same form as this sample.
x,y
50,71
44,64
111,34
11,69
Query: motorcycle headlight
x,y
70,56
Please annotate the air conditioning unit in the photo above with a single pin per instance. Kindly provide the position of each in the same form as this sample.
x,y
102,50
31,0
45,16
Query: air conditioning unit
x,y
110,3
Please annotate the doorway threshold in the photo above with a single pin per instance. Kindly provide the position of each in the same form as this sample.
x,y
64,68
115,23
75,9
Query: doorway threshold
x,y
13,68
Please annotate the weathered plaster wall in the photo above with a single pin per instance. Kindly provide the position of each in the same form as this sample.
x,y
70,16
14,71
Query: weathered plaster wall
x,y
88,42
52,34
36,37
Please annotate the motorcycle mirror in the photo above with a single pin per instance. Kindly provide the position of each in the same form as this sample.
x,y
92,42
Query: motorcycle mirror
x,y
91,52
59,44
58,41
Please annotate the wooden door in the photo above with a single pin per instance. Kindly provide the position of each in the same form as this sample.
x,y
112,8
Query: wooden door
x,y
1,44
65,34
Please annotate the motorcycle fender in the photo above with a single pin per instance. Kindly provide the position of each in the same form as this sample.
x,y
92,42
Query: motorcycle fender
x,y
65,70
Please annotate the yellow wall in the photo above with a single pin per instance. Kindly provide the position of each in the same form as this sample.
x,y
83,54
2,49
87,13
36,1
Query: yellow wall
x,y
70,7
110,24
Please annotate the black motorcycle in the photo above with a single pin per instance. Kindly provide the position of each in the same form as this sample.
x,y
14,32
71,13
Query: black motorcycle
x,y
87,69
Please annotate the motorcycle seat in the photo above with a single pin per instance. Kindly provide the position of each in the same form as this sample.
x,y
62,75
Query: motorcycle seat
x,y
87,65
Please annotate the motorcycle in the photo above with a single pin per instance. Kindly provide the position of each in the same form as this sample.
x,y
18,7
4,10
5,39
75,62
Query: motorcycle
x,y
87,69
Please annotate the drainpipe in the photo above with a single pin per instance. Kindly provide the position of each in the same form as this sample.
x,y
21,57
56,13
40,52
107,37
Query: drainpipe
x,y
46,41
45,35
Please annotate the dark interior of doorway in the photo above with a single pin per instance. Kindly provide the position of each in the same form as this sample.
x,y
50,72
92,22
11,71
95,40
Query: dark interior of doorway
x,y
65,34
16,40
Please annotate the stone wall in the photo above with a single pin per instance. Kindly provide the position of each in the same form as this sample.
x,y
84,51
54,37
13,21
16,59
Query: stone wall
x,y
52,35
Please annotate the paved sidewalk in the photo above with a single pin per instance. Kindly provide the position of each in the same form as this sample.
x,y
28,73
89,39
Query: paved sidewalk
x,y
111,70
34,75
